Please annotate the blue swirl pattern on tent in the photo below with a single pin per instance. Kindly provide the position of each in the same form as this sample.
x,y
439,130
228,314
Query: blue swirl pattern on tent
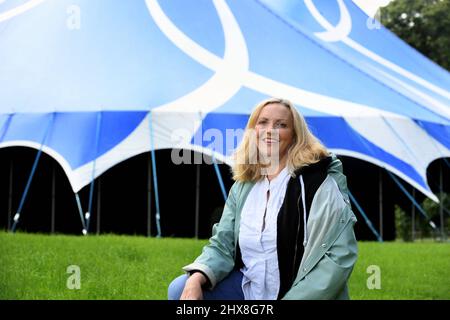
x,y
77,68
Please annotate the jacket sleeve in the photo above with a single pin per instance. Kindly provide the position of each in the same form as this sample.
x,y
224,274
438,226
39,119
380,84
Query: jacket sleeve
x,y
217,258
328,279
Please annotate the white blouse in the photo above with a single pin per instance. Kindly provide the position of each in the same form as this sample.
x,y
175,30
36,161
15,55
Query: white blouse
x,y
258,238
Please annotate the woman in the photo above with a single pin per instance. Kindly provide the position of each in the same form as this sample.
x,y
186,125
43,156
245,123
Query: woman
x,y
286,231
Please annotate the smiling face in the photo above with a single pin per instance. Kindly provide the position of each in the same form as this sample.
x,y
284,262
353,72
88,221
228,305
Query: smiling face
x,y
275,131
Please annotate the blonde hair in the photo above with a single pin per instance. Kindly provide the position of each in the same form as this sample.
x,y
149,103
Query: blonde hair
x,y
306,149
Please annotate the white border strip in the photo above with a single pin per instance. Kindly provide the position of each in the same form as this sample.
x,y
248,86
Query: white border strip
x,y
382,164
19,10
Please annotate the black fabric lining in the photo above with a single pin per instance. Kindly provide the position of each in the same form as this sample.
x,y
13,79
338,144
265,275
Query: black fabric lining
x,y
290,229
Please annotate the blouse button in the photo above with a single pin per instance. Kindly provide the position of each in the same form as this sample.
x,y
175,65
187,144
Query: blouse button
x,y
324,245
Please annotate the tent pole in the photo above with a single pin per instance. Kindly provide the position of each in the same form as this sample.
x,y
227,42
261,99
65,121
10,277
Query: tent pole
x,y
380,193
431,223
53,199
197,177
99,184
94,162
30,177
413,214
440,186
197,199
441,203
10,193
25,193
219,178
149,197
366,219
80,211
155,178
5,129
446,162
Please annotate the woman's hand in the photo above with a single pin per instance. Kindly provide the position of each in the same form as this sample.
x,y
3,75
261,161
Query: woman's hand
x,y
193,287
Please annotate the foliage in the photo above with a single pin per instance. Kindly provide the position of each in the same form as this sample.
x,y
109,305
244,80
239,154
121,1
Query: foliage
x,y
403,221
402,224
433,210
423,24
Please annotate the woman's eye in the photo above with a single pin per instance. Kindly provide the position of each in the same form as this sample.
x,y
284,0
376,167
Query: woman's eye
x,y
281,125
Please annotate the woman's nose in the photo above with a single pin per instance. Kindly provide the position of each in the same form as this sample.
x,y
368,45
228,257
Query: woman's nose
x,y
273,130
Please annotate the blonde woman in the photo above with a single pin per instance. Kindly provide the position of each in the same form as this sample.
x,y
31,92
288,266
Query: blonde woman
x,y
286,230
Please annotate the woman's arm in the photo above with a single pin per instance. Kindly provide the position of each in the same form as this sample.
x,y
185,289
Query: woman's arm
x,y
217,258
193,289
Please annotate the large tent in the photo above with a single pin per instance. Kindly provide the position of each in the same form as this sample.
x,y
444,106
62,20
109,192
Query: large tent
x,y
94,83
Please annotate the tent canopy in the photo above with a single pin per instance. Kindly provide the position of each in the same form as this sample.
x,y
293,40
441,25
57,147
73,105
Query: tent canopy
x,y
86,80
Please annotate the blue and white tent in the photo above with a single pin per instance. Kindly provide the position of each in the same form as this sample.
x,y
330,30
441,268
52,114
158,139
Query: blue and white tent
x,y
95,82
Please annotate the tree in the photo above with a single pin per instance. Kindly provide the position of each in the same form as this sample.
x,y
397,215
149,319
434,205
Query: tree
x,y
402,225
403,221
433,210
423,24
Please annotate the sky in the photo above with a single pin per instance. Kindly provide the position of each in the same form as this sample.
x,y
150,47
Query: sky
x,y
370,7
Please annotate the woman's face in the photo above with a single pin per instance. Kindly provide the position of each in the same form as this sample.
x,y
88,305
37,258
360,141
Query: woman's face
x,y
274,130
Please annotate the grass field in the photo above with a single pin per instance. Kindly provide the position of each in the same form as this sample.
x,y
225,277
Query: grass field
x,y
126,267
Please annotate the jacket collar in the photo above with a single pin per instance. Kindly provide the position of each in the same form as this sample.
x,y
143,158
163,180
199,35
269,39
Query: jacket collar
x,y
321,165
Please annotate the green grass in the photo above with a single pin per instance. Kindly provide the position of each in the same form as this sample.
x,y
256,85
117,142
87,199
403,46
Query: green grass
x,y
408,270
125,267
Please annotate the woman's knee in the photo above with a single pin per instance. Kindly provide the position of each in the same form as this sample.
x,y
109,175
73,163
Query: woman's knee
x,y
176,287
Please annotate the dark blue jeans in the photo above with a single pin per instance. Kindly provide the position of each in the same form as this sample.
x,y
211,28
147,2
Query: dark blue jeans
x,y
230,288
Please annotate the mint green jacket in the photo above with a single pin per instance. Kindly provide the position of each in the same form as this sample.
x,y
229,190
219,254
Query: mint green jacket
x,y
328,257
